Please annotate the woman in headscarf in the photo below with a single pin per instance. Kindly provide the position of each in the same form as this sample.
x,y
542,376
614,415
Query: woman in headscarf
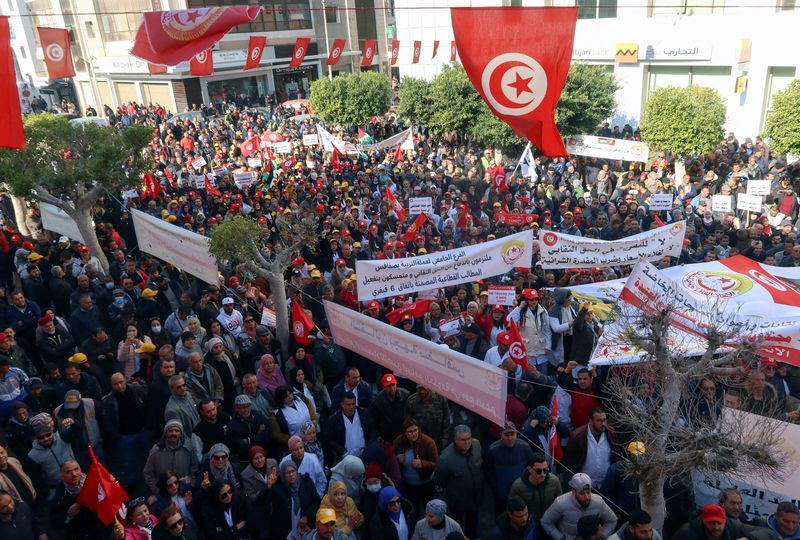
x,y
301,385
216,330
139,522
193,325
303,360
224,514
217,358
310,441
218,465
269,374
395,518
350,471
348,518
294,502
260,474
436,524
292,411
374,481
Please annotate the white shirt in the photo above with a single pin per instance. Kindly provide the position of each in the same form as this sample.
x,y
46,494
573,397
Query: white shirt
x,y
598,457
354,441
233,323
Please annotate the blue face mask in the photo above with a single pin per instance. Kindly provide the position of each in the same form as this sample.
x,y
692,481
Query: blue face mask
x,y
119,301
374,488
110,285
156,329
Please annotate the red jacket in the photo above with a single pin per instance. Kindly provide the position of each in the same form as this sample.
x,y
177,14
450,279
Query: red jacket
x,y
582,404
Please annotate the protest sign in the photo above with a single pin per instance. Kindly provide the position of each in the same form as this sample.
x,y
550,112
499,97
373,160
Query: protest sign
x,y
721,203
608,148
56,220
185,249
242,179
420,205
558,250
268,317
503,295
513,220
759,187
389,277
254,163
310,139
450,327
476,385
198,163
661,201
751,203
282,147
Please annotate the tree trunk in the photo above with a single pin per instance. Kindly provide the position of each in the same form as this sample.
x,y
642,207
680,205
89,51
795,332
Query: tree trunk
x,y
20,211
278,289
651,497
83,219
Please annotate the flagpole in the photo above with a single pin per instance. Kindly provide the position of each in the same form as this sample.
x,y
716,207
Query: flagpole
x,y
520,159
325,26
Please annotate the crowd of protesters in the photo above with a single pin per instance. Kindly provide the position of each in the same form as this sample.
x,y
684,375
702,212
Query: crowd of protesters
x,y
215,433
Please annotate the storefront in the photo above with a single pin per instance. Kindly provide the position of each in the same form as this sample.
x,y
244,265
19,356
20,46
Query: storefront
x,y
233,89
293,83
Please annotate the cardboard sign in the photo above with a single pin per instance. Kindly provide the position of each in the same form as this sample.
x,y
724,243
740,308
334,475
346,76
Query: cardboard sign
x,y
253,162
199,181
751,203
420,205
199,163
759,187
721,203
282,147
661,201
310,139
243,179
503,295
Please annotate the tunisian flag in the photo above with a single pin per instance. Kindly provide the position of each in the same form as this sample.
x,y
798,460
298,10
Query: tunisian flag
x,y
250,146
101,493
517,351
12,134
155,69
151,187
518,74
57,52
412,231
211,189
170,37
453,51
300,50
202,65
435,48
301,324
416,309
255,48
395,205
417,49
556,452
368,52
395,50
336,52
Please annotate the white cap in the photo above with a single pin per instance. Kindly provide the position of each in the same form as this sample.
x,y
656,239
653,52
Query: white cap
x,y
63,240
227,300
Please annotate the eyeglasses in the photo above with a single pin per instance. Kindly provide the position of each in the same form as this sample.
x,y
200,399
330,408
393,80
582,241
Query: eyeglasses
x,y
539,471
175,525
219,458
394,502
133,503
228,493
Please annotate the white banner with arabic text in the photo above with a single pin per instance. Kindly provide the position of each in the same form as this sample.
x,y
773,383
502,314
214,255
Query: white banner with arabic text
x,y
608,148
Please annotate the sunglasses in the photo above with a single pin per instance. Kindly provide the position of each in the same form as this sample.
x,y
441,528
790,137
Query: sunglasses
x,y
219,458
394,502
133,503
228,493
540,471
175,525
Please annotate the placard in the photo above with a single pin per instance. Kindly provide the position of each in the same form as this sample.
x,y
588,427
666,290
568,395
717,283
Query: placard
x,y
199,181
282,147
254,163
420,205
503,295
661,201
310,139
242,179
759,187
721,203
751,203
198,163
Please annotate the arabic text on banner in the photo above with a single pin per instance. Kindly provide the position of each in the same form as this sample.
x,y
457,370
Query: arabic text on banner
x,y
558,250
661,201
389,277
608,148
420,205
56,220
476,385
721,203
185,249
503,295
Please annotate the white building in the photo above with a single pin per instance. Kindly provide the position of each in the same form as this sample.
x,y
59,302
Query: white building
x,y
704,42
105,30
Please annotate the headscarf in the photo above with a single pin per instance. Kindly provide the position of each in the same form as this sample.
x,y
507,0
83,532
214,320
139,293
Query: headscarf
x,y
294,489
350,471
226,473
254,450
334,487
387,494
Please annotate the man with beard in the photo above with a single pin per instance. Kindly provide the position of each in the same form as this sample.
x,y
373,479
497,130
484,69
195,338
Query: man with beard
x,y
561,519
174,452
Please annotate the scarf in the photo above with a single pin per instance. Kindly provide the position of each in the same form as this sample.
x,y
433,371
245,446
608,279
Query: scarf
x,y
8,485
294,489
74,490
388,493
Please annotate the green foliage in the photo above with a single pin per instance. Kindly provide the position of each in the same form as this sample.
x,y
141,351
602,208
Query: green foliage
x,y
783,122
684,120
351,99
413,104
229,239
454,101
587,99
66,159
490,130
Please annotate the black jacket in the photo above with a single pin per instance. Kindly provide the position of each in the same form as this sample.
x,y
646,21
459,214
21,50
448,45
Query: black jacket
x,y
84,526
280,499
244,433
336,434
381,525
110,414
733,530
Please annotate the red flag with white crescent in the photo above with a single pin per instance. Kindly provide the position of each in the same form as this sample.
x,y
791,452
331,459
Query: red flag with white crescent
x,y
517,351
101,493
395,50
300,50
250,146
170,37
415,227
368,52
417,49
302,325
556,452
12,133
453,51
255,49
435,48
520,75
202,65
210,188
395,205
416,309
155,69
336,52
57,52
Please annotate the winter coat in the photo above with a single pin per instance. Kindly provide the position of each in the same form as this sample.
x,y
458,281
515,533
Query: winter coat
x,y
504,465
280,498
561,519
381,525
538,498
503,529
182,459
733,530
461,477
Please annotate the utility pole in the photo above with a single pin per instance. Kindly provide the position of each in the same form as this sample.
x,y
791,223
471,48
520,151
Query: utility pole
x,y
325,26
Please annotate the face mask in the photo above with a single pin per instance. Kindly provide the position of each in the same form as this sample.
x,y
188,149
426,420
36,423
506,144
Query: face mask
x,y
110,285
373,488
156,329
119,301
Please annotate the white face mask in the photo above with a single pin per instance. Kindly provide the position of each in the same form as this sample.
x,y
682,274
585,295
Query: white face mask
x,y
373,488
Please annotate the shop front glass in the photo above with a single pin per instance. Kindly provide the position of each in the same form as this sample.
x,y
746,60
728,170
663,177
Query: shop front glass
x,y
293,83
243,91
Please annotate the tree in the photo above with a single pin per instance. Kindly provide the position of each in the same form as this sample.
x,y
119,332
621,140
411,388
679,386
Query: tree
x,y
490,130
351,99
686,121
455,103
676,427
240,242
71,166
587,99
783,122
413,100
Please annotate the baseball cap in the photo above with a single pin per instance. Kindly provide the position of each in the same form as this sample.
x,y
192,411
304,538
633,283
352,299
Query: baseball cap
x,y
145,348
149,293
373,304
472,328
769,362
63,240
509,427
77,358
242,399
262,330
581,482
530,294
388,380
72,399
504,338
713,512
227,300
341,262
34,257
326,515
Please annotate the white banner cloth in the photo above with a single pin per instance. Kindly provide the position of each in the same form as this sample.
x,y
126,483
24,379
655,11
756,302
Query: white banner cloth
x,y
476,385
56,220
185,249
389,277
558,250
608,148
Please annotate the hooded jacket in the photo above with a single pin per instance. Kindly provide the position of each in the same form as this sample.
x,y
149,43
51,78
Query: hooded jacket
x,y
182,459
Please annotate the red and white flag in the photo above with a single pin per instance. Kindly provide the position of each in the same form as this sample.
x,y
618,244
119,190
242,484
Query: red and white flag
x,y
336,52
210,188
57,52
556,452
300,50
151,187
202,65
519,74
415,309
255,48
517,351
417,49
398,154
415,227
395,50
435,48
453,51
272,137
250,146
302,325
395,205
170,37
12,133
101,493
155,69
368,53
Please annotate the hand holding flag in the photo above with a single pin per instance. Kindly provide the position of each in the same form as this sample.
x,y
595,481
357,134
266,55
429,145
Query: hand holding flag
x,y
517,351
101,493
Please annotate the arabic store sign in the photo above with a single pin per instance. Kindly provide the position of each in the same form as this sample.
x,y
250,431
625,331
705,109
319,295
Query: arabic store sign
x,y
647,51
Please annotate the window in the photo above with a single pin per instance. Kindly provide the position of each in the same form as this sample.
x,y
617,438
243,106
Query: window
x,y
686,7
122,26
331,12
596,9
786,5
275,15
718,78
778,79
89,29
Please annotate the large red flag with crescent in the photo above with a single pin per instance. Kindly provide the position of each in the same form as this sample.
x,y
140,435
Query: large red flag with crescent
x,y
516,351
395,50
57,52
300,50
101,493
415,309
336,52
302,324
255,48
519,74
368,52
170,37
12,133
202,65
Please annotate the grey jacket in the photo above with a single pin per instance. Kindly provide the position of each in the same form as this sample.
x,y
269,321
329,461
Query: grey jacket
x,y
461,477
50,459
561,519
183,460
622,534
